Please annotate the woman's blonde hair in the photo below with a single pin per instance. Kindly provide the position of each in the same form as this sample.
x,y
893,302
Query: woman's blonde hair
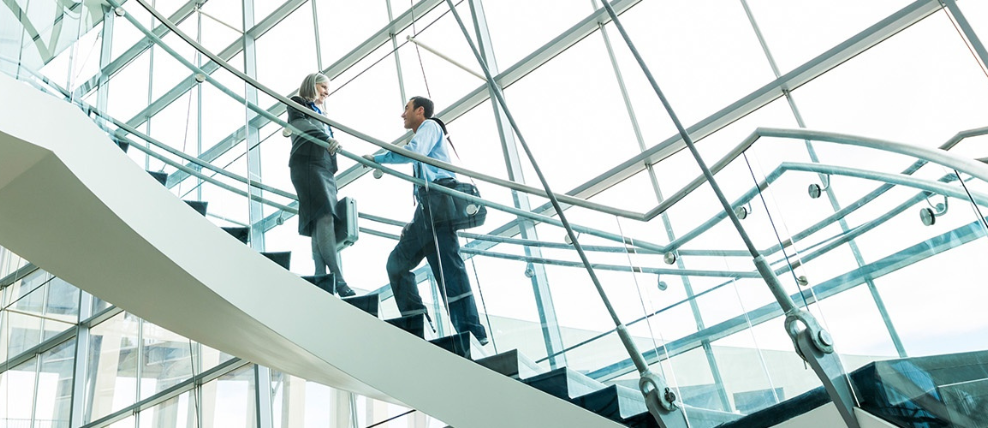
x,y
308,88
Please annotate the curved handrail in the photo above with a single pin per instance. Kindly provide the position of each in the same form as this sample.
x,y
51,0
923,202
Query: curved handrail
x,y
958,163
647,247
346,129
922,153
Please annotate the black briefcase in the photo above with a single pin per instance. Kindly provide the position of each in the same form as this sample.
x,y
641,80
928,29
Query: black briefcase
x,y
346,226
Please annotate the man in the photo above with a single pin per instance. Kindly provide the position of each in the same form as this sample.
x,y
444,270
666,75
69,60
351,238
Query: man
x,y
421,238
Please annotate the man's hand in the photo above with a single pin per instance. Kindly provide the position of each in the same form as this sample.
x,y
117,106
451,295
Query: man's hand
x,y
333,146
370,158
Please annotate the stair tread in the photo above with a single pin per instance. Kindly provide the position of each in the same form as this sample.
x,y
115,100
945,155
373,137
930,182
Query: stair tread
x,y
414,324
462,344
369,303
160,176
564,383
282,258
615,402
242,234
513,364
199,206
324,282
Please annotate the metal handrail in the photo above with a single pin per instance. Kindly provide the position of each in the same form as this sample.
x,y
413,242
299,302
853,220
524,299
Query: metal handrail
x,y
930,155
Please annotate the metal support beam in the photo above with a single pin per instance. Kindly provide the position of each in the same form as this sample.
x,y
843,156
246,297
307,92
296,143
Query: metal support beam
x,y
725,401
658,397
969,34
253,138
333,71
110,68
819,338
831,196
78,414
551,333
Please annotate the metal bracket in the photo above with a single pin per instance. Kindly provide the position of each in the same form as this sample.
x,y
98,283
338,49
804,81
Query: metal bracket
x,y
661,401
830,371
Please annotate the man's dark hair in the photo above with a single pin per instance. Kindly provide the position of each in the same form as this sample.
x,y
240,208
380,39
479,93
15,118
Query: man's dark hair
x,y
425,103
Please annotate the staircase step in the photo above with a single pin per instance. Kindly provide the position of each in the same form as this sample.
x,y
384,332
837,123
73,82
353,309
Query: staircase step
x,y
564,383
242,234
937,390
700,417
199,206
513,364
781,412
326,282
462,344
615,402
282,258
414,324
368,303
162,177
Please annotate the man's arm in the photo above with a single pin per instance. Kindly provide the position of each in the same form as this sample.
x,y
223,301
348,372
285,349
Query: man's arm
x,y
425,139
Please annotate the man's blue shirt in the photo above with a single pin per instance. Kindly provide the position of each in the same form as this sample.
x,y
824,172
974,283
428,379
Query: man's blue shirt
x,y
428,141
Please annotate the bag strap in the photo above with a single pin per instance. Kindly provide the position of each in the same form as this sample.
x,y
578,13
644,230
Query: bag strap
x,y
450,140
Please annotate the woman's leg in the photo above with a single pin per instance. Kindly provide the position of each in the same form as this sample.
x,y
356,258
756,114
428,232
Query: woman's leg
x,y
317,256
324,243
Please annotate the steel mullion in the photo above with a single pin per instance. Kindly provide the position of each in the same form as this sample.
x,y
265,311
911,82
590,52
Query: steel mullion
x,y
332,72
666,222
111,68
545,304
80,364
44,346
831,196
189,384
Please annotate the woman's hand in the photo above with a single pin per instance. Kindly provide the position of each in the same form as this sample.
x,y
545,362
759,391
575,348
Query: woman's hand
x,y
333,146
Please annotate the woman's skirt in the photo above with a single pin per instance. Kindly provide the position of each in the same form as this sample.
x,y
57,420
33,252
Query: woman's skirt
x,y
315,186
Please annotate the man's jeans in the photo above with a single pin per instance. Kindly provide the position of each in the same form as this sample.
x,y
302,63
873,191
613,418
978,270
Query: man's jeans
x,y
416,243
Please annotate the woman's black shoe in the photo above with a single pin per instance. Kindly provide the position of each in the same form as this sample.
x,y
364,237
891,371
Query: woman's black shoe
x,y
344,290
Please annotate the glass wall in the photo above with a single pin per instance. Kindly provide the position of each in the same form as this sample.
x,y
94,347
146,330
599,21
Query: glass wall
x,y
837,220
136,374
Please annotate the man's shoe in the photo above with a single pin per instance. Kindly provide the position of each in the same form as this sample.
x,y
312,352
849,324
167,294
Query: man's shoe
x,y
483,341
344,290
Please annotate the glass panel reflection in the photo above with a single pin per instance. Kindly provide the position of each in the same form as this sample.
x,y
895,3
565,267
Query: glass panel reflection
x,y
17,389
111,378
178,412
53,402
229,400
167,360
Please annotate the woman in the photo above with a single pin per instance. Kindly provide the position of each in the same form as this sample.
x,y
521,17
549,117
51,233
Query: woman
x,y
312,169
